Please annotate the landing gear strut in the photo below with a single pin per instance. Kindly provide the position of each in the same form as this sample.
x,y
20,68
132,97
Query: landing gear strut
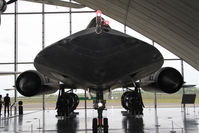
x,y
100,123
67,102
132,102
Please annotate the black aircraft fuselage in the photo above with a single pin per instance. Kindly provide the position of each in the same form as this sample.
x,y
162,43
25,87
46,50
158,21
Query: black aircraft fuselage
x,y
103,61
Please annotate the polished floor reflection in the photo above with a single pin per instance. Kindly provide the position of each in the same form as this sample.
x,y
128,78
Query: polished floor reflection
x,y
162,120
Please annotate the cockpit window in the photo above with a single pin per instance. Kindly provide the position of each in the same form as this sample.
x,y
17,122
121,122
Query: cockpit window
x,y
93,23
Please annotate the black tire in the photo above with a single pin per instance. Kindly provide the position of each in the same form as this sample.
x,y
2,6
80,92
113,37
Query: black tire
x,y
105,125
75,100
67,103
125,100
94,125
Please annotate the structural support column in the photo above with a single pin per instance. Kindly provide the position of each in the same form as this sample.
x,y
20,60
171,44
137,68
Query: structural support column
x,y
125,29
182,71
15,50
155,93
85,107
43,42
85,103
70,20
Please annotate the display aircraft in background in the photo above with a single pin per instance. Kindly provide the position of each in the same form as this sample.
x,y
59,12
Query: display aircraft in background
x,y
99,59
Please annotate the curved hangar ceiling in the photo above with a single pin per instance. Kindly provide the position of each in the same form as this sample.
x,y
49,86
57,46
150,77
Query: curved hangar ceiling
x,y
174,24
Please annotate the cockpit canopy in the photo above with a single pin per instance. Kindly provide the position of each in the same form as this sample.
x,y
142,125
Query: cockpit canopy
x,y
93,23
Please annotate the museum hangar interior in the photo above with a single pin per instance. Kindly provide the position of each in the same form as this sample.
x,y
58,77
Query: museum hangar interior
x,y
170,26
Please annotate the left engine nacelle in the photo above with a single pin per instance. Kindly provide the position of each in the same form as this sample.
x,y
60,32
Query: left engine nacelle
x,y
31,83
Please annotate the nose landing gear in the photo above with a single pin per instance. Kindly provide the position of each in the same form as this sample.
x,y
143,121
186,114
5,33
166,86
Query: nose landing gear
x,y
97,126
100,123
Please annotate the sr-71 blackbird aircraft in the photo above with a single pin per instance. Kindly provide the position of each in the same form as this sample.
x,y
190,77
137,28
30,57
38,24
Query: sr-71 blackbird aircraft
x,y
100,59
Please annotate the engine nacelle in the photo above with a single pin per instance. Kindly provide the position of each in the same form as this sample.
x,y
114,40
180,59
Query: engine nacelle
x,y
3,6
167,80
31,83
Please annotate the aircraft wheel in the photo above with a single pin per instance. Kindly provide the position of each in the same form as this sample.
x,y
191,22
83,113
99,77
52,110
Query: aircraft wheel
x,y
105,125
125,100
94,125
75,100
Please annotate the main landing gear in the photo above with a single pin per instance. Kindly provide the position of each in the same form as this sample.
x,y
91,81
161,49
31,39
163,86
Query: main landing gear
x,y
100,123
67,102
132,102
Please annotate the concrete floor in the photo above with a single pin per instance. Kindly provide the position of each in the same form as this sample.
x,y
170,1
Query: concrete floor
x,y
162,120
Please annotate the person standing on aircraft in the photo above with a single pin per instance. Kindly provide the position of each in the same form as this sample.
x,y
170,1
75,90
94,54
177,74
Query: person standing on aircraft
x,y
6,103
1,102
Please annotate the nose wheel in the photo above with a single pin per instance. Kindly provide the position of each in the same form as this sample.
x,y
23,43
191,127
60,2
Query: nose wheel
x,y
105,125
100,123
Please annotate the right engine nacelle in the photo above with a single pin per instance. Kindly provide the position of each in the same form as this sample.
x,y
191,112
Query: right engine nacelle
x,y
167,80
31,83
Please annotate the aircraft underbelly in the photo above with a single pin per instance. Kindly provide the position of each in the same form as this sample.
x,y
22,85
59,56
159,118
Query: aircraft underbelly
x,y
92,60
